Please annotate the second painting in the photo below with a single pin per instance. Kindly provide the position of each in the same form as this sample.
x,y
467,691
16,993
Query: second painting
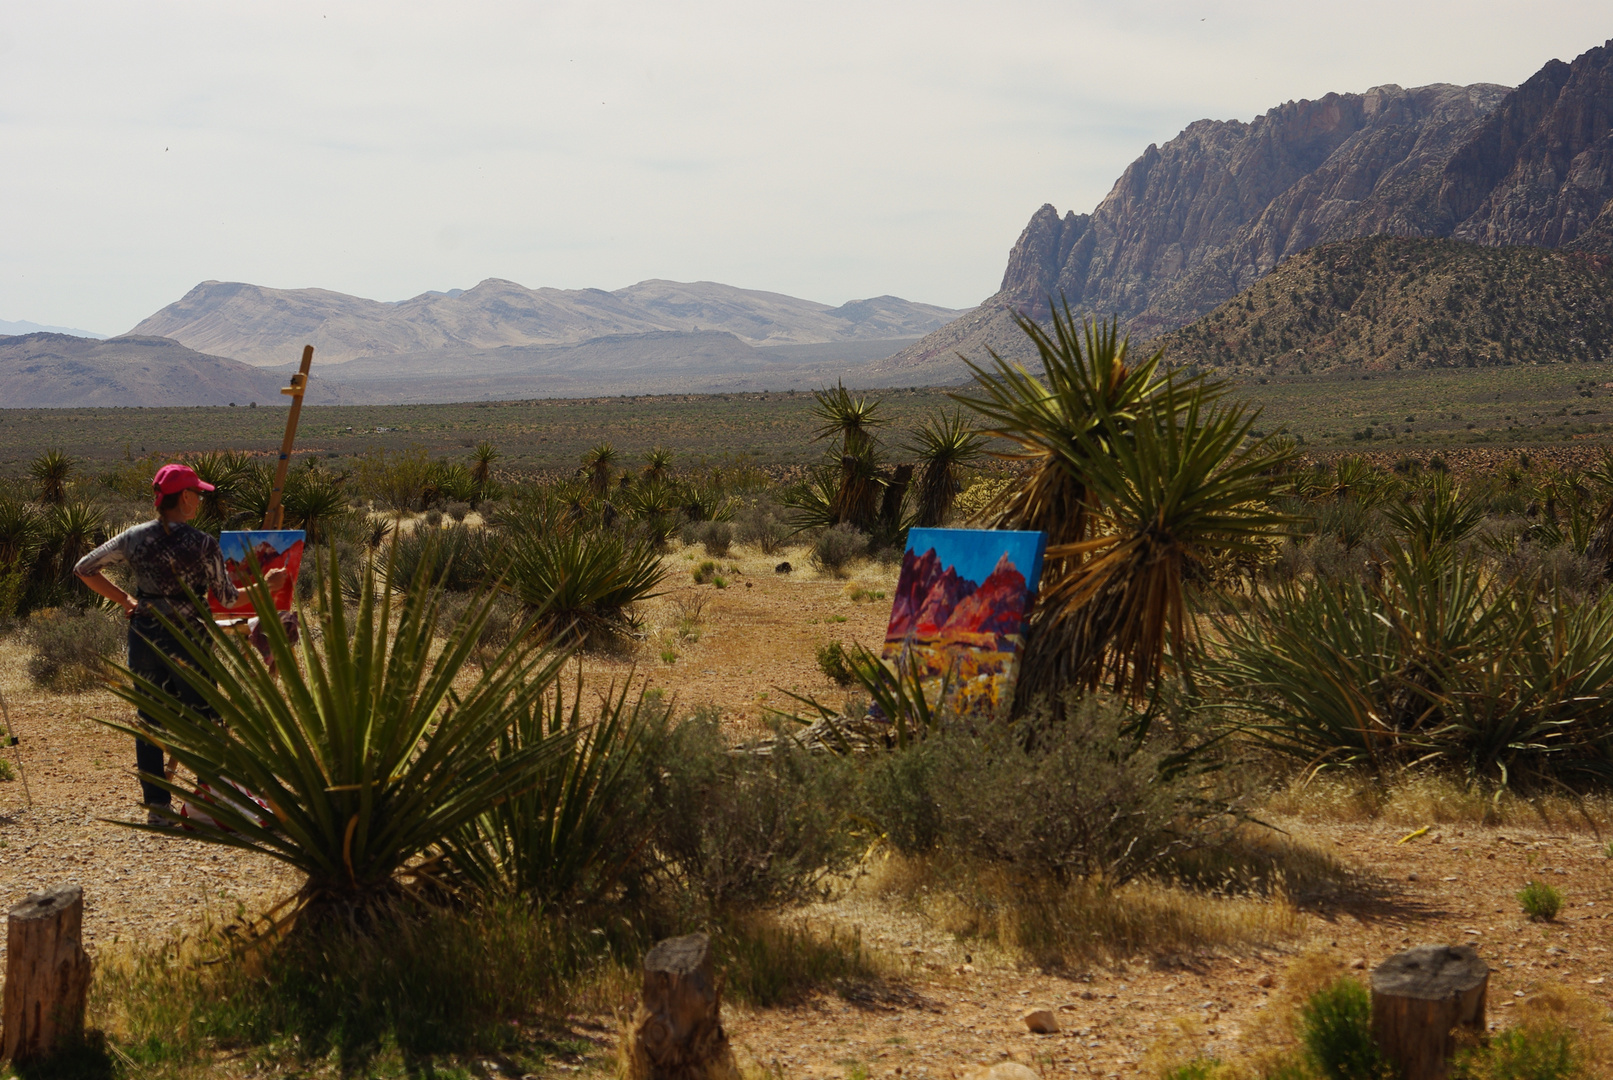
x,y
959,612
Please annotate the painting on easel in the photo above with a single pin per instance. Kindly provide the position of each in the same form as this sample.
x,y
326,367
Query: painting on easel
x,y
271,548
959,612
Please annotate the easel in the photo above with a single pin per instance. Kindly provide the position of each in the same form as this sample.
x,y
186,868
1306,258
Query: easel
x,y
299,385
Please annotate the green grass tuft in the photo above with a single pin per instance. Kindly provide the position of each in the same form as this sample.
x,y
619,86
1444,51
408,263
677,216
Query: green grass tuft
x,y
1540,901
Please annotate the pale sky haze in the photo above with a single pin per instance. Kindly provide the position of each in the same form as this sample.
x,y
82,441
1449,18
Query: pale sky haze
x,y
827,150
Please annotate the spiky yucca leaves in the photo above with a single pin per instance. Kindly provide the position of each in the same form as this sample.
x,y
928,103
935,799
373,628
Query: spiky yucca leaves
x,y
1429,663
1086,382
842,415
361,746
481,468
1441,518
657,463
579,583
314,502
1176,487
850,476
943,444
71,531
52,471
568,838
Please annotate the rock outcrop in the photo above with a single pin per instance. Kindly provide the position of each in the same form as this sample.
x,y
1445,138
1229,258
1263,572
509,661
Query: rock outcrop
x,y
1194,222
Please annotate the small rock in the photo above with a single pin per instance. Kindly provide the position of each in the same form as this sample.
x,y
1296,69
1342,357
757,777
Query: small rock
x,y
1411,877
747,585
783,568
1358,964
1041,1021
1087,995
1267,980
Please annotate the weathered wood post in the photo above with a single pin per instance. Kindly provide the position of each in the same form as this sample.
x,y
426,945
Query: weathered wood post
x,y
1419,998
677,1033
47,974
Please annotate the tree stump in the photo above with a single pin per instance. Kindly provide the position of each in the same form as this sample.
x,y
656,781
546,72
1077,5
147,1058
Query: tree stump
x,y
1419,998
677,1033
47,974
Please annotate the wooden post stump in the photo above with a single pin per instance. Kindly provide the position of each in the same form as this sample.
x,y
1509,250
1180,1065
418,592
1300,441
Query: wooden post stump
x,y
1419,998
677,1033
47,974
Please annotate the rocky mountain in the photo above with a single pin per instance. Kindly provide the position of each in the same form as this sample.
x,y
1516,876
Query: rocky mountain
x,y
1386,303
58,371
1194,222
269,326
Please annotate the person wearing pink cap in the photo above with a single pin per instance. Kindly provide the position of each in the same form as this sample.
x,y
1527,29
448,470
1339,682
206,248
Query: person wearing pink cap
x,y
175,565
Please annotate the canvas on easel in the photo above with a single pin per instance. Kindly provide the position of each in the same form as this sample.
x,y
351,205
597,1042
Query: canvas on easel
x,y
958,617
272,548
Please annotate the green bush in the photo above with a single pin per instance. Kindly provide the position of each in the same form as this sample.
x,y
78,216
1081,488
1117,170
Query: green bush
x,y
837,548
455,559
1529,1051
582,584
764,524
739,830
716,537
1335,1027
1540,901
704,573
70,647
1081,798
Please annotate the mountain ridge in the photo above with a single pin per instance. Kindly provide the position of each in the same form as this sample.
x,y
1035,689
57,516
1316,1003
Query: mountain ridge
x,y
1192,223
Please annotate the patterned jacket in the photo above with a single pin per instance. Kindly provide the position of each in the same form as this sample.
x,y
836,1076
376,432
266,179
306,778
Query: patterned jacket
x,y
167,559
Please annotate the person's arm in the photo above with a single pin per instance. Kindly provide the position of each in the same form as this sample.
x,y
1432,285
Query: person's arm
x,y
88,570
97,582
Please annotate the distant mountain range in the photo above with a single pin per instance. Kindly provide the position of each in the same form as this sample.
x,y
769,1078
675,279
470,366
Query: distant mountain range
x,y
1193,223
270,326
23,326
58,371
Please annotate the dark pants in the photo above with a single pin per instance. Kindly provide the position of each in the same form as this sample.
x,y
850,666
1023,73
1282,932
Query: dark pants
x,y
152,653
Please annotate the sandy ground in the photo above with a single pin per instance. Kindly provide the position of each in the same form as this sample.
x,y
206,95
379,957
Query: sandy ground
x,y
953,1003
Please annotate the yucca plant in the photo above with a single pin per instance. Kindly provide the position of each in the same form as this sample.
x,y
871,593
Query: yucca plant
x,y
367,756
52,471
599,465
226,471
657,463
72,529
313,502
851,476
580,584
567,839
943,444
1141,485
1444,516
481,468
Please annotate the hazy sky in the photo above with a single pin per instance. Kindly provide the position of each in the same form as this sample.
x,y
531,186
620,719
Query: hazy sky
x,y
827,150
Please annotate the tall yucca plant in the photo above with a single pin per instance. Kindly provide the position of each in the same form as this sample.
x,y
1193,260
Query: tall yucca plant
x,y
368,757
52,471
943,444
1141,485
1180,488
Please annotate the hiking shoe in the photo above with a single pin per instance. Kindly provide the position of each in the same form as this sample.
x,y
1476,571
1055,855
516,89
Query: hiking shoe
x,y
156,820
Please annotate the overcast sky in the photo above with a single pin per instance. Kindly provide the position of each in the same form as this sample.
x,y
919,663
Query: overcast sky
x,y
827,150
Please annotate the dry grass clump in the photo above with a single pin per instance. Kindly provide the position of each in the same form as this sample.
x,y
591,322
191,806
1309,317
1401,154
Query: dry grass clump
x,y
1069,926
1432,799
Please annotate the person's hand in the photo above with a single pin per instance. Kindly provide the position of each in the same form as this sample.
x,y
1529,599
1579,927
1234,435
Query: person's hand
x,y
128,604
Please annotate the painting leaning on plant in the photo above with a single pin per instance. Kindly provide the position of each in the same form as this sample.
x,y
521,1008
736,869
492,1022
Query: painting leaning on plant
x,y
175,566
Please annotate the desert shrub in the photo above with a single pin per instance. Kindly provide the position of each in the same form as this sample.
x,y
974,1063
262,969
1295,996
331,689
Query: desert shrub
x,y
1082,798
832,662
767,961
974,499
70,647
1540,901
739,830
837,548
764,524
704,573
458,510
1335,1027
716,537
432,519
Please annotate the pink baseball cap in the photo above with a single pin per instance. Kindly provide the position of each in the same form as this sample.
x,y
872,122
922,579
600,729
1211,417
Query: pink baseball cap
x,y
172,478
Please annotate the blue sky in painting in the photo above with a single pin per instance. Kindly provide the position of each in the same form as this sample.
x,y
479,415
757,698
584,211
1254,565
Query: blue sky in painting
x,y
974,552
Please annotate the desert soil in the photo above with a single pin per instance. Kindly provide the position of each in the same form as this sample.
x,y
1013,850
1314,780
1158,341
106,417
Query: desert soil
x,y
953,1003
